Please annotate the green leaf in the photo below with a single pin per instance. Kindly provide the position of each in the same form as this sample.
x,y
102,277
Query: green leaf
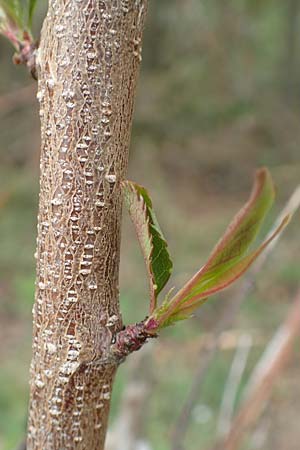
x,y
150,236
19,13
31,8
228,261
184,312
14,11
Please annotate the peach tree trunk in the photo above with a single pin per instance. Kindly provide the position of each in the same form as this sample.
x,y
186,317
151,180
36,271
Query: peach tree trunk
x,y
87,64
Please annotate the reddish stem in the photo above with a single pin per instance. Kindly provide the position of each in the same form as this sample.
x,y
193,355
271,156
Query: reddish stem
x,y
25,46
130,339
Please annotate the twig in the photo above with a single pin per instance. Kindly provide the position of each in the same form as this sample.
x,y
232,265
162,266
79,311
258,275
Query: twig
x,y
233,382
26,54
264,376
24,45
226,320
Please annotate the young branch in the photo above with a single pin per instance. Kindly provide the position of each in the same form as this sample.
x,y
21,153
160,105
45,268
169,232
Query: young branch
x,y
129,340
26,54
24,45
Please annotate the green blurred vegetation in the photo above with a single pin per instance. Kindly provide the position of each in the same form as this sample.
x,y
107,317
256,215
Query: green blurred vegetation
x,y
218,96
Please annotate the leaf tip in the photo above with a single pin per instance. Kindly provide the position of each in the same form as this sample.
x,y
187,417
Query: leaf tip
x,y
263,178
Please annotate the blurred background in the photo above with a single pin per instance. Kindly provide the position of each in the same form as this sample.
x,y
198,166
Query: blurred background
x,y
219,95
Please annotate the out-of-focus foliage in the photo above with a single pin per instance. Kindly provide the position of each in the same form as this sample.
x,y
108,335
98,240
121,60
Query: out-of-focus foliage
x,y
220,58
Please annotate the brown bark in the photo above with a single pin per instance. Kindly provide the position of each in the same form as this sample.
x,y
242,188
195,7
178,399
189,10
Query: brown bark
x,y
87,66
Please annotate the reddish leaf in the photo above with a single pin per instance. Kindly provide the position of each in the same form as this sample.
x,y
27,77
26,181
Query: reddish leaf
x,y
228,261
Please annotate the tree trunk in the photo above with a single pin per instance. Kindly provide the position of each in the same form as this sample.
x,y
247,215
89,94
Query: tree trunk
x,y
87,64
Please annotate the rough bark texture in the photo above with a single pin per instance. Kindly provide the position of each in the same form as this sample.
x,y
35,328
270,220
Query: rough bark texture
x,y
87,66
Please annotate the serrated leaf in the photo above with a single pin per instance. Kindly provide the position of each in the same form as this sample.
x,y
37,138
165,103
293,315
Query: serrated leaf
x,y
153,244
228,261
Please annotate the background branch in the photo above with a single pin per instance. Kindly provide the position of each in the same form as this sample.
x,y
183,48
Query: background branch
x,y
233,382
264,376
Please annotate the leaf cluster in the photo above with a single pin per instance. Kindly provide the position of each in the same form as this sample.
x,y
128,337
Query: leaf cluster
x,y
17,14
228,261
